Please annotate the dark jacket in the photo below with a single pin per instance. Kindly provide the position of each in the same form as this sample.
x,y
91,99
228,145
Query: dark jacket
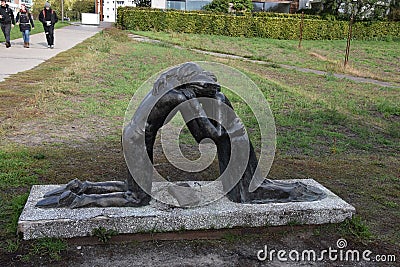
x,y
25,21
7,15
48,15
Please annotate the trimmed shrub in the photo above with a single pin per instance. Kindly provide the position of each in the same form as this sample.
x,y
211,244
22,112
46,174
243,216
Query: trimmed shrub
x,y
280,26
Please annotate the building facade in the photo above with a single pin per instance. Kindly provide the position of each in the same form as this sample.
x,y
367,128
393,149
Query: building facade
x,y
15,5
180,4
108,8
279,6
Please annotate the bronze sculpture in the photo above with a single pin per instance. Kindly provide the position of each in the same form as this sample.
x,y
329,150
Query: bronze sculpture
x,y
208,114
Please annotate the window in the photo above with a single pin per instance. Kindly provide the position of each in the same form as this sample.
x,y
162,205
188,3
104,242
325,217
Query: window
x,y
277,7
257,6
282,7
196,4
179,5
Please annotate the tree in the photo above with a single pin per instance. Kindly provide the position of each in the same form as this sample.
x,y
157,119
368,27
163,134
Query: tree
x,y
218,6
226,6
143,3
38,6
394,10
361,9
83,6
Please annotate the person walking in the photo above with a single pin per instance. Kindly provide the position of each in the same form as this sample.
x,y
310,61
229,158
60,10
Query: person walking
x,y
49,18
24,18
6,20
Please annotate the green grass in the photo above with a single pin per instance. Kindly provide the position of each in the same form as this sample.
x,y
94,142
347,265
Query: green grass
x,y
19,169
367,58
15,168
355,227
50,248
16,33
67,124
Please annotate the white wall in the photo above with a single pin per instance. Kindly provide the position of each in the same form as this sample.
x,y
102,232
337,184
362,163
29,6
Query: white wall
x,y
158,4
90,19
110,8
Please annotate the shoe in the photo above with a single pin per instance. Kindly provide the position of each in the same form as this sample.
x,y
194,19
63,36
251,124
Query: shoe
x,y
52,46
8,44
27,45
48,46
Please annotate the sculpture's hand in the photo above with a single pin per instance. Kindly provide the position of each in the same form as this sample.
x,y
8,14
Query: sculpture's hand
x,y
189,93
75,186
78,202
194,107
59,201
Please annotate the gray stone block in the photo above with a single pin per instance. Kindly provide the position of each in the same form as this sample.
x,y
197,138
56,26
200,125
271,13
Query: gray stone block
x,y
157,217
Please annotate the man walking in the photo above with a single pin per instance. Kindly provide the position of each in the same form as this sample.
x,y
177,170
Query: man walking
x,y
49,18
6,20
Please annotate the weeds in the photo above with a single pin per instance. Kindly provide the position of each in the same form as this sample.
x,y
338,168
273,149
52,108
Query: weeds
x,y
50,248
293,223
231,237
104,235
356,227
12,245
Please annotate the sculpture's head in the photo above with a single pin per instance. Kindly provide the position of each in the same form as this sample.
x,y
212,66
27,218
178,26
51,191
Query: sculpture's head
x,y
204,89
188,75
203,83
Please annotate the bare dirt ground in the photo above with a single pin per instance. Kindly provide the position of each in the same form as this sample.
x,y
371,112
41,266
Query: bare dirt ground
x,y
232,249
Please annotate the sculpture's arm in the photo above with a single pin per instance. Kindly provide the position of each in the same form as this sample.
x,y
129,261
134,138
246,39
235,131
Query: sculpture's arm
x,y
200,127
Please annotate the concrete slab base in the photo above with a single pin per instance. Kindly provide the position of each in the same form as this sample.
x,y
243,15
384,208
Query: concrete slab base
x,y
157,217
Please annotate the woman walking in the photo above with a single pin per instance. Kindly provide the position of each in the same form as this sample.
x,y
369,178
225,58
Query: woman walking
x,y
24,18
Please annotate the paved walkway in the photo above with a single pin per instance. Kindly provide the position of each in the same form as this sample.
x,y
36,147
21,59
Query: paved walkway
x,y
17,58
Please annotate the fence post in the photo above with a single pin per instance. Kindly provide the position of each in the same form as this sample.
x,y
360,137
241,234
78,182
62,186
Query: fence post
x,y
301,28
349,36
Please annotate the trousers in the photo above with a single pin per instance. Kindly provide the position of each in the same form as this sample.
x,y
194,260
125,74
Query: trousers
x,y
25,36
49,31
6,28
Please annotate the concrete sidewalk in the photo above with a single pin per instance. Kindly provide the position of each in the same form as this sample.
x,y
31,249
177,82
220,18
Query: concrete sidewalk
x,y
17,58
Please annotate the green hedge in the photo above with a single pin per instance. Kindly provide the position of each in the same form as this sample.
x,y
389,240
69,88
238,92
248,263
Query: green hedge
x,y
251,25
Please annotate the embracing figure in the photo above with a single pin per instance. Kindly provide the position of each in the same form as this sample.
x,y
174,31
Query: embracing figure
x,y
208,114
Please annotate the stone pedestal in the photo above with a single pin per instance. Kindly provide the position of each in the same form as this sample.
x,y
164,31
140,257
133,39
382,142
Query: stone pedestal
x,y
157,217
